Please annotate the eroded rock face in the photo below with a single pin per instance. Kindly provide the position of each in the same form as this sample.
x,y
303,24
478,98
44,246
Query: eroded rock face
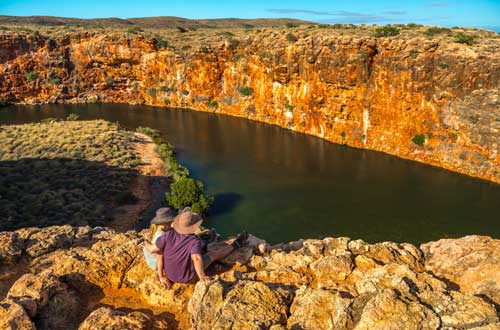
x,y
472,263
245,305
361,91
334,283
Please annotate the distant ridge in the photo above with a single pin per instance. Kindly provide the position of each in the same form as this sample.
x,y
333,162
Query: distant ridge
x,y
152,22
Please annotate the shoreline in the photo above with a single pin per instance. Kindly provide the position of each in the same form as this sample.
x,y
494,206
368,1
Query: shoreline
x,y
428,162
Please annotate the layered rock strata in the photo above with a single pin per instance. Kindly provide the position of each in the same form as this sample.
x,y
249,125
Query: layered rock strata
x,y
334,283
430,100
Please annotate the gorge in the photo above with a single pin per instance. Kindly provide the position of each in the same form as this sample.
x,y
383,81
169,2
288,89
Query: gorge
x,y
418,95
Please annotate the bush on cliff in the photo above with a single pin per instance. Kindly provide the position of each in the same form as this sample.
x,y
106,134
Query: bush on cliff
x,y
247,91
189,192
31,76
386,31
291,37
463,38
419,139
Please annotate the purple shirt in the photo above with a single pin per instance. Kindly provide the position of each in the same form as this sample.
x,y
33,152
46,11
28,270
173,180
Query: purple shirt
x,y
177,251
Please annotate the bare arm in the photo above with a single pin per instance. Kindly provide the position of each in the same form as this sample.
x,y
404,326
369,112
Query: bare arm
x,y
163,278
151,248
198,266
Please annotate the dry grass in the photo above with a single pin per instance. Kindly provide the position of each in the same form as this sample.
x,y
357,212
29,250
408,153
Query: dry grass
x,y
71,172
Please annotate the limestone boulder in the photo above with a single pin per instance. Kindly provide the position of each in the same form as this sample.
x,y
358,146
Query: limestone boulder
x,y
318,309
46,299
11,246
145,281
388,311
332,268
218,305
14,317
471,263
389,252
106,318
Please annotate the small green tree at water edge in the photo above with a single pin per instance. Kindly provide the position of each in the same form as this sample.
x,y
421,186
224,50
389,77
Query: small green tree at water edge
x,y
189,192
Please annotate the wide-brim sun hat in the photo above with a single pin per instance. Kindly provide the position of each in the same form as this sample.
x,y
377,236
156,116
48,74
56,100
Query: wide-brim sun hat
x,y
187,223
163,216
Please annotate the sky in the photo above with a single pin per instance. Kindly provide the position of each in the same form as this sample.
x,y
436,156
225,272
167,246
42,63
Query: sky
x,y
475,13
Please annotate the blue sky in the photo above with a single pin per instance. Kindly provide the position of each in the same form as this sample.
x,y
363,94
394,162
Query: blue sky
x,y
476,13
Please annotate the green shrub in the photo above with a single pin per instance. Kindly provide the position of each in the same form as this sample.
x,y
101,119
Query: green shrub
x,y
188,192
109,81
54,80
31,76
434,30
291,25
289,107
167,88
291,37
204,49
247,91
213,104
443,66
135,85
419,139
166,101
185,92
386,31
153,133
162,44
343,135
134,30
463,38
152,92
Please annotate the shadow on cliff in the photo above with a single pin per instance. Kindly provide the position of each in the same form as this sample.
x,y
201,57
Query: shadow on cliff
x,y
225,203
44,192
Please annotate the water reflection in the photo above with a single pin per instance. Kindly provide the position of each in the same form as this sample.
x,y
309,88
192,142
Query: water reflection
x,y
282,186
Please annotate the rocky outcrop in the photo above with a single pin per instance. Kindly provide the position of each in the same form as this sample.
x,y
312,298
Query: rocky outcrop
x,y
334,283
373,93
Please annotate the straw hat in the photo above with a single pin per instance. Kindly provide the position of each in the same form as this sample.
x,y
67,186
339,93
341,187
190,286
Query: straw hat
x,y
163,215
187,223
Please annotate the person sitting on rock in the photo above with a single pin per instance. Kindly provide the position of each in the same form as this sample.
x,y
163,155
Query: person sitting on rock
x,y
159,225
180,255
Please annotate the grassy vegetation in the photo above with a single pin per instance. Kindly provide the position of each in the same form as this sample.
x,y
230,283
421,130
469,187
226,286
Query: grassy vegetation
x,y
386,31
463,38
184,191
291,37
63,172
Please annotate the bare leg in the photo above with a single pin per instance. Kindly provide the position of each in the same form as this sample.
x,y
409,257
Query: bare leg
x,y
219,252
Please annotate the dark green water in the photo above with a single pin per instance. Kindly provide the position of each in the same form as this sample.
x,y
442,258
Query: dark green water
x,y
282,186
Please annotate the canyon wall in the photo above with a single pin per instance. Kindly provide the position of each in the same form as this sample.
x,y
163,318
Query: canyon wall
x,y
433,101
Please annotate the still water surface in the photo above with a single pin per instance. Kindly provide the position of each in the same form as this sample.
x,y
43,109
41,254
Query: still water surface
x,y
282,185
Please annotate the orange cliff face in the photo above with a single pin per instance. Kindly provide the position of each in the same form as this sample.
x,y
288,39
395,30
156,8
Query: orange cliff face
x,y
365,92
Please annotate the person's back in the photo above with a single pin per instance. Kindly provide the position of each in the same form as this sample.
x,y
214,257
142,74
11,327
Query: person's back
x,y
177,250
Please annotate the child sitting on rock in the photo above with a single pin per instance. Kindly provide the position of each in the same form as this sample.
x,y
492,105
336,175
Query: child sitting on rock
x,y
159,225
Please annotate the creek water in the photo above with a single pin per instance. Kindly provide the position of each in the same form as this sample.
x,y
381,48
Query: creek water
x,y
282,186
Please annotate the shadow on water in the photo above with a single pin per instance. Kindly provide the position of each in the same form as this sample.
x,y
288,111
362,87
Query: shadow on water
x,y
225,203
